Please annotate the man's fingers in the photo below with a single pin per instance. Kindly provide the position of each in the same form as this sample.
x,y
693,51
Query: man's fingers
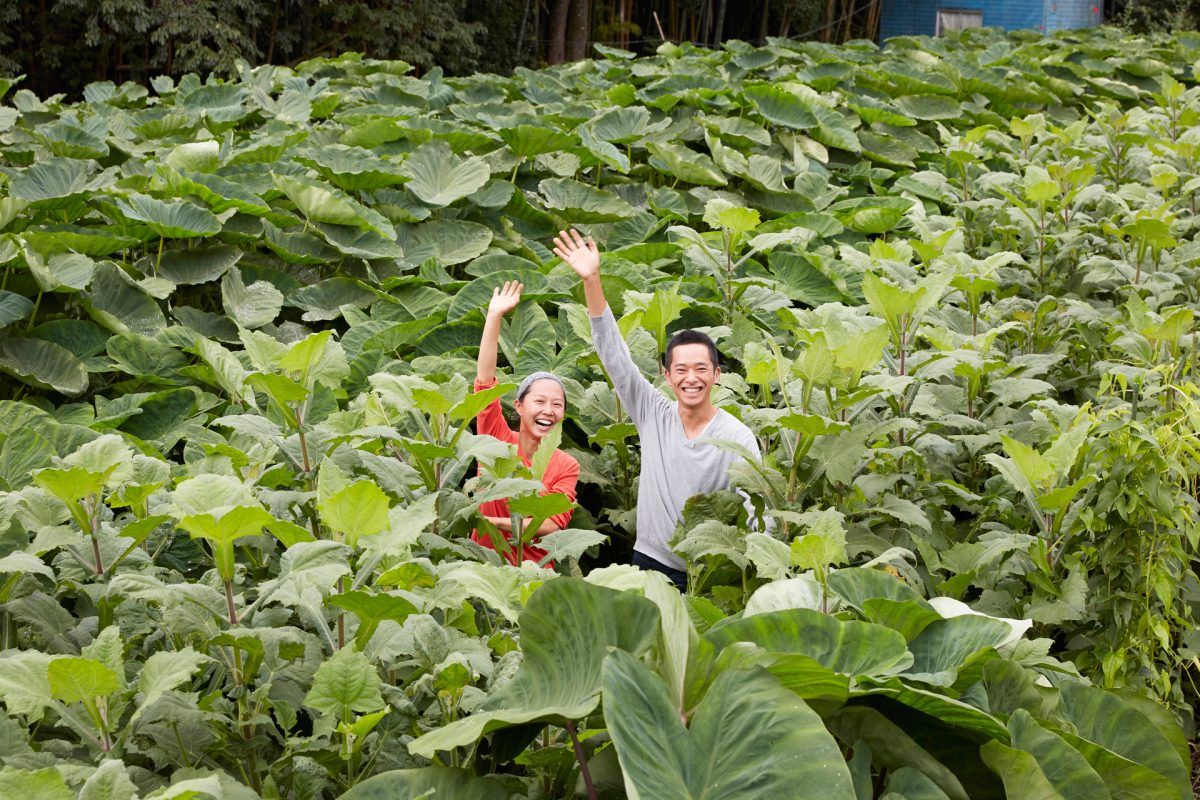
x,y
578,238
592,245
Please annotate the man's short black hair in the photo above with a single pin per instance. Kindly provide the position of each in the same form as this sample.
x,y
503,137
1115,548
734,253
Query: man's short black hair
x,y
690,336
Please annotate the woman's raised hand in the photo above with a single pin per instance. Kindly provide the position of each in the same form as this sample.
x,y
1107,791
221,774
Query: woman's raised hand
x,y
505,298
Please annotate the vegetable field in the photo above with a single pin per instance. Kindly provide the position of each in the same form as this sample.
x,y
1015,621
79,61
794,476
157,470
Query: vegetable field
x,y
955,286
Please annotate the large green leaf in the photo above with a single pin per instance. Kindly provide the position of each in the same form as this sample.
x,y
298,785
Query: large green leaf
x,y
417,784
944,646
170,219
1020,772
846,646
352,168
892,747
781,107
117,303
53,183
197,264
80,680
749,738
48,239
534,140
320,202
221,194
566,629
250,306
344,684
1064,767
578,202
1105,719
686,164
438,177
13,307
44,364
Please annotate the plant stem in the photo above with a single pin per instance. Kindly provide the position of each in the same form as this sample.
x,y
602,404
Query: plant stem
x,y
233,620
341,622
583,767
33,314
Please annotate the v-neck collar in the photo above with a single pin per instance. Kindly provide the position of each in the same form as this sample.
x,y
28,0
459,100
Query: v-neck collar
x,y
683,430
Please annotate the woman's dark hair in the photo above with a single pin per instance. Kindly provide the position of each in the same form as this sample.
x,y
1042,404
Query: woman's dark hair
x,y
692,337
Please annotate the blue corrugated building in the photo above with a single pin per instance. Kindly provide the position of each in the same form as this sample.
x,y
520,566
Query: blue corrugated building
x,y
934,17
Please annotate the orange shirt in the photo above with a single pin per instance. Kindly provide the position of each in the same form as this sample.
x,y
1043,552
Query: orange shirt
x,y
562,473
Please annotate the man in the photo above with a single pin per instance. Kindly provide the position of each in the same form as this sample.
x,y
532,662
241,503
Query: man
x,y
675,466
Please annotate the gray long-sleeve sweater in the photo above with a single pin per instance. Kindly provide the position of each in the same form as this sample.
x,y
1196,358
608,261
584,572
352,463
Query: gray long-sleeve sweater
x,y
674,468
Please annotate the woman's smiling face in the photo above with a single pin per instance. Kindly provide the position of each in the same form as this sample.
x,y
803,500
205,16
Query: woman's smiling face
x,y
542,407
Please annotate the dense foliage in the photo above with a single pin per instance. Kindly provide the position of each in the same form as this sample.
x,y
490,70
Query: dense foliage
x,y
955,284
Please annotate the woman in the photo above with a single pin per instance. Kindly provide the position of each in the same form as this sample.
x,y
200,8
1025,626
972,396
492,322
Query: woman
x,y
540,405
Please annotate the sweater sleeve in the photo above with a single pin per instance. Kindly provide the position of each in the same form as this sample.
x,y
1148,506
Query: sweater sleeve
x,y
491,420
635,392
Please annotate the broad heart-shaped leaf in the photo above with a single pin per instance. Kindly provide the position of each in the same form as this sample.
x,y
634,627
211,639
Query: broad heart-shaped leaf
x,y
858,585
534,140
686,164
749,738
197,264
110,781
1105,719
929,106
372,609
566,629
955,713
578,202
80,680
43,364
360,509
165,670
475,295
351,168
60,271
1020,772
849,647
75,239
344,684
891,747
250,306
438,177
779,106
225,530
1064,766
42,784
53,182
177,219
220,194
943,646
626,125
320,202
417,784
117,304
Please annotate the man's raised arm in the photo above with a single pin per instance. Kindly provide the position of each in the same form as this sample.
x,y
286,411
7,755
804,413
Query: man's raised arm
x,y
636,393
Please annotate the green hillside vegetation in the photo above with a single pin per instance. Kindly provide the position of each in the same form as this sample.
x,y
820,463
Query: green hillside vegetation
x,y
954,283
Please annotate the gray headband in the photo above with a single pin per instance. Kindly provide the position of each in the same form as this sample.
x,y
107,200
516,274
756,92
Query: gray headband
x,y
538,376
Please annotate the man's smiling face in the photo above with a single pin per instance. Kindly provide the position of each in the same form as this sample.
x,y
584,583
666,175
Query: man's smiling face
x,y
692,374
542,407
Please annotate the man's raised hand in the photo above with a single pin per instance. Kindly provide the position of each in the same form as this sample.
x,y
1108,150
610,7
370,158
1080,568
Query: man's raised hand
x,y
505,298
581,255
